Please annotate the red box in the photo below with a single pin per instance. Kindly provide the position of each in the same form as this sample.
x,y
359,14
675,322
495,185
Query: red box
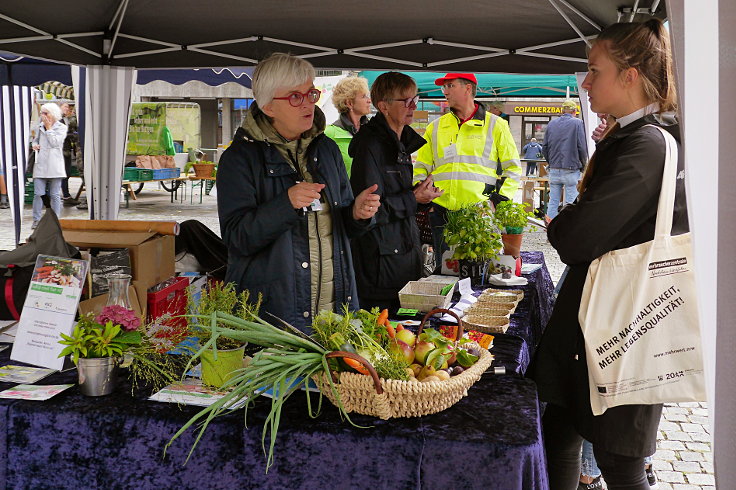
x,y
172,299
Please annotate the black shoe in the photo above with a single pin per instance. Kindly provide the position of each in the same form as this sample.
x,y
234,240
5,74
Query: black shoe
x,y
651,477
596,484
70,201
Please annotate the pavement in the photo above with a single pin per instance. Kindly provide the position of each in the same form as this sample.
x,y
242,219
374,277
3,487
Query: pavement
x,y
683,461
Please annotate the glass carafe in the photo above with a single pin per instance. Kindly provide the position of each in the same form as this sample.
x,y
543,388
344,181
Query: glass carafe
x,y
118,285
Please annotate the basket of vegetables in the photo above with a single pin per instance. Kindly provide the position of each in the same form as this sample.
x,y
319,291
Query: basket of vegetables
x,y
437,371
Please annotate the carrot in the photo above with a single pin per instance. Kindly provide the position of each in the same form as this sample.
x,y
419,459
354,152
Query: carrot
x,y
356,365
391,331
399,327
382,318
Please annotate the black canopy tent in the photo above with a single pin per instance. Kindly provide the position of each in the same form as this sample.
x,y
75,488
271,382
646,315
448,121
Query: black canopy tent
x,y
524,36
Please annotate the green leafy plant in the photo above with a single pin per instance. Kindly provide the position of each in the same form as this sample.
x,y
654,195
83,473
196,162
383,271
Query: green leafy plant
x,y
90,339
189,165
220,297
472,232
512,217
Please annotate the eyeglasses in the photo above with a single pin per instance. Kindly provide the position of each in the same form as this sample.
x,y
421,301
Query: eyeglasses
x,y
297,98
446,87
408,102
365,96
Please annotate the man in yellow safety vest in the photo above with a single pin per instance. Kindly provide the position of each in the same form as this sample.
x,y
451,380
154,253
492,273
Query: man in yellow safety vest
x,y
470,156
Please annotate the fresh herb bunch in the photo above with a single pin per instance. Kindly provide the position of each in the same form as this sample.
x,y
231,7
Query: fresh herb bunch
x,y
348,332
472,232
511,216
223,298
285,364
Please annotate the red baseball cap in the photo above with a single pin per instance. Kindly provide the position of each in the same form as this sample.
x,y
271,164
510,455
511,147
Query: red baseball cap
x,y
452,76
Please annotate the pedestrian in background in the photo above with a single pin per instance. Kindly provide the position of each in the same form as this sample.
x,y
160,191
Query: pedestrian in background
x,y
48,171
566,152
532,151
353,102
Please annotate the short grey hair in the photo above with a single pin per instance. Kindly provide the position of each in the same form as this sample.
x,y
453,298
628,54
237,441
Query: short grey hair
x,y
280,70
52,109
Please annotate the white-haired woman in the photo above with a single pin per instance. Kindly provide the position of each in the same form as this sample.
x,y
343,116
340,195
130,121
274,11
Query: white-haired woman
x,y
284,200
48,170
353,101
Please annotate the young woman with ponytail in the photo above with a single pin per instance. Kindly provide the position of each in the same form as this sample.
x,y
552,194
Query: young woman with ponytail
x,y
630,77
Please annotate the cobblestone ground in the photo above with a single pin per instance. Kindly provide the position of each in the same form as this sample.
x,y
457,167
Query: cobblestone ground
x,y
683,460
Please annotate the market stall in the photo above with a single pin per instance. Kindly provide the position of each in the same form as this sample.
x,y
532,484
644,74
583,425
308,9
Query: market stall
x,y
121,438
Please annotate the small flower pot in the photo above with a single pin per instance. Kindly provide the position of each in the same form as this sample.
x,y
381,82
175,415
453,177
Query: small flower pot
x,y
215,372
512,243
477,271
98,377
203,169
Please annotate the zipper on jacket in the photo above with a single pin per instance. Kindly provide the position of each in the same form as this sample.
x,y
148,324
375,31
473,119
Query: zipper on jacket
x,y
319,265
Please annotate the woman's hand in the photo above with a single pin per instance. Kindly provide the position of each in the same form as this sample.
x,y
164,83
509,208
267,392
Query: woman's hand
x,y
303,194
426,192
36,147
366,204
48,122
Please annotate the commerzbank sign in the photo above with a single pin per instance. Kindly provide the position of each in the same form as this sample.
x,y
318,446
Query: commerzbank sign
x,y
535,109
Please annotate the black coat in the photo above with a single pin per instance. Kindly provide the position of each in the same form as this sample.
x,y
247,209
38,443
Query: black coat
x,y
618,210
388,256
267,239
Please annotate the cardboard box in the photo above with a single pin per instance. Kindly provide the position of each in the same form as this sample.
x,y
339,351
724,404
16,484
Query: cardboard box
x,y
151,255
527,195
96,304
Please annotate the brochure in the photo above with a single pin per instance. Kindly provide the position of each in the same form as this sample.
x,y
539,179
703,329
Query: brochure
x,y
34,392
49,310
23,374
191,392
8,329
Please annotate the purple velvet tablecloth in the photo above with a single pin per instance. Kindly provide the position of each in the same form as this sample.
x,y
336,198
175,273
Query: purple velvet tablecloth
x,y
490,439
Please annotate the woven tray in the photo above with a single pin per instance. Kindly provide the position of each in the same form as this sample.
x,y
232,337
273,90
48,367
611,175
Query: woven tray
x,y
424,296
390,398
485,323
496,302
495,309
503,294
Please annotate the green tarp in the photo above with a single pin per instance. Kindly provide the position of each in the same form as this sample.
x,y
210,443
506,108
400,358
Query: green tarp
x,y
496,84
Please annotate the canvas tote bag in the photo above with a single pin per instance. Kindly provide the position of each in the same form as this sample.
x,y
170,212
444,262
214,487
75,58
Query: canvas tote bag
x,y
639,316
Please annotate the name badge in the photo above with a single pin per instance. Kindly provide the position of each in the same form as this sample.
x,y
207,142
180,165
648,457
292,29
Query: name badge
x,y
451,151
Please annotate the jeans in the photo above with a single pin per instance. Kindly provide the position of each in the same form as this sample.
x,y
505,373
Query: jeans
x,y
531,168
588,466
559,178
563,446
39,189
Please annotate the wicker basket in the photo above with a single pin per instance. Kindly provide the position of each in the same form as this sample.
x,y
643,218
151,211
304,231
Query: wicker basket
x,y
503,294
203,170
496,309
390,398
424,296
485,323
495,302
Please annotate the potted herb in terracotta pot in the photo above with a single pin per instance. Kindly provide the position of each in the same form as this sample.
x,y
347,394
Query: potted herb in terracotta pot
x,y
222,356
511,218
472,233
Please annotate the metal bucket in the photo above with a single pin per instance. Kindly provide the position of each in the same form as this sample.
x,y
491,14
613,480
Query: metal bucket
x,y
98,377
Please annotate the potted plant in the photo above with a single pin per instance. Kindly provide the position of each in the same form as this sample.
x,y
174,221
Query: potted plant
x,y
220,355
98,345
472,233
511,218
202,168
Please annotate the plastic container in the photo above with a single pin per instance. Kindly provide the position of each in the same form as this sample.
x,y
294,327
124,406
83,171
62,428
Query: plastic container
x,y
137,174
166,173
170,300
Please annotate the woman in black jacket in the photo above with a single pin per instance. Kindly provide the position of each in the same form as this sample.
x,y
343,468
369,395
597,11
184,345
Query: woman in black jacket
x,y
630,77
389,255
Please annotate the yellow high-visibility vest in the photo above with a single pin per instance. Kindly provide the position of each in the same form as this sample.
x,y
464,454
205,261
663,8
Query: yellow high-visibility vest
x,y
464,160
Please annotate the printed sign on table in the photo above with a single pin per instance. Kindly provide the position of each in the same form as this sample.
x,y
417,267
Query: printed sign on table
x,y
49,309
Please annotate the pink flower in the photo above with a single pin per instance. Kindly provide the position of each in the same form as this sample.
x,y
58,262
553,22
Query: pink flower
x,y
119,315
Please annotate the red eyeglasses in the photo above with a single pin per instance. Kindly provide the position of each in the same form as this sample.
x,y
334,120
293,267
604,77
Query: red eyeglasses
x,y
297,98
